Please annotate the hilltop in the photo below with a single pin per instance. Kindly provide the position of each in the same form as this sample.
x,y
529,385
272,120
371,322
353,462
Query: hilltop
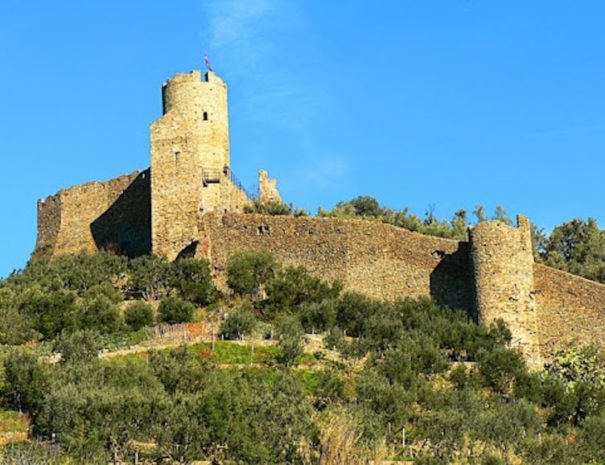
x,y
281,367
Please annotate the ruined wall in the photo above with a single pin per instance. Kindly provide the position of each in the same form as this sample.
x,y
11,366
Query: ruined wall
x,y
571,309
267,188
504,281
92,216
376,259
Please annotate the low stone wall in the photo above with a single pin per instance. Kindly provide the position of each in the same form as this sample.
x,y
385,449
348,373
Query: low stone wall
x,y
375,259
115,214
571,309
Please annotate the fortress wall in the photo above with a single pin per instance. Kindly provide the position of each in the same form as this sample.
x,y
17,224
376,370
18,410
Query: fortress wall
x,y
375,259
90,216
571,309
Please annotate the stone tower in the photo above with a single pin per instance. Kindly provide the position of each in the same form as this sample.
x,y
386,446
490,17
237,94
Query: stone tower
x,y
190,164
503,266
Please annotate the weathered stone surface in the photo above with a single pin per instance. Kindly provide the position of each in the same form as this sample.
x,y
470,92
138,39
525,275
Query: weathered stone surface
x,y
267,188
502,259
114,214
373,258
570,309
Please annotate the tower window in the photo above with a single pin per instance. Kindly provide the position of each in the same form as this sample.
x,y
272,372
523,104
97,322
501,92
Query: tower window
x,y
205,116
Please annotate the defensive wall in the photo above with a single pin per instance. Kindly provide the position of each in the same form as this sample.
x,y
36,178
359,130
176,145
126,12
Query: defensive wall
x,y
373,258
492,276
570,309
114,215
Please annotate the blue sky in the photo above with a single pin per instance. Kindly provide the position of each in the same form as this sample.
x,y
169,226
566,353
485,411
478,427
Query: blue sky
x,y
445,103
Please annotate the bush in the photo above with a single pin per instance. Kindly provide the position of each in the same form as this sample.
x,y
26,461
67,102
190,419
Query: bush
x,y
174,310
273,208
318,316
294,286
26,381
150,277
290,336
74,272
78,346
52,312
99,311
193,280
247,272
15,326
500,369
240,323
138,315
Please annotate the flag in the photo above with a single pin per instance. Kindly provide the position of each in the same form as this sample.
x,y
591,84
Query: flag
x,y
208,64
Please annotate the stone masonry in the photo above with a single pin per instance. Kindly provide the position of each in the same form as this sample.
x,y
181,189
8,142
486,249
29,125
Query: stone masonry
x,y
190,204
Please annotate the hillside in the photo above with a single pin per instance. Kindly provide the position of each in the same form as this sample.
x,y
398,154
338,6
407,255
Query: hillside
x,y
156,365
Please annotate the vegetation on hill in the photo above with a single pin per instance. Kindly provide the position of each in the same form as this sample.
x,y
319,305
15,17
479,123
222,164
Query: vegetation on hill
x,y
307,374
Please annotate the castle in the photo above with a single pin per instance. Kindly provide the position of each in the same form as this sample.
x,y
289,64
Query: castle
x,y
189,203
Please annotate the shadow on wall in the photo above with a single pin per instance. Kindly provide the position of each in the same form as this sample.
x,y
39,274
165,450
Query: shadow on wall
x,y
452,280
125,228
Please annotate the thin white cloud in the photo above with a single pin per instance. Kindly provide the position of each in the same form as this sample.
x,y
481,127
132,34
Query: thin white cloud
x,y
246,36
243,32
248,39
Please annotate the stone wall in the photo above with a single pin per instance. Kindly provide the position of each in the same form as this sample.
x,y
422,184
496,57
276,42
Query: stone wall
x,y
571,309
504,281
376,259
113,214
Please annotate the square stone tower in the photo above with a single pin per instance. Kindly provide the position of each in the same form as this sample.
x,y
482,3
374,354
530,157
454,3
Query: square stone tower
x,y
190,164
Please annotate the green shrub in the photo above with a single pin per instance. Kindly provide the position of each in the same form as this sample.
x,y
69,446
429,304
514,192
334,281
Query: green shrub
x,y
138,315
52,312
290,335
247,272
74,272
318,316
26,381
273,208
193,280
150,277
78,346
174,310
16,327
295,286
99,311
240,323
500,369
592,440
352,313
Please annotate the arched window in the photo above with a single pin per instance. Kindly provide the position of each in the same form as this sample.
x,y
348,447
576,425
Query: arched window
x,y
205,116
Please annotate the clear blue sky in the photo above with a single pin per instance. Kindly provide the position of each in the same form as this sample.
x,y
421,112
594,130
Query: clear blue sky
x,y
450,103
